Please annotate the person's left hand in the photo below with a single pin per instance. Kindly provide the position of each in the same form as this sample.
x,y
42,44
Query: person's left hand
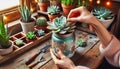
x,y
61,60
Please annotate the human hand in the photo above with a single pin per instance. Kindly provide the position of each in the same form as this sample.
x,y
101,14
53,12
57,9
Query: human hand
x,y
61,60
81,14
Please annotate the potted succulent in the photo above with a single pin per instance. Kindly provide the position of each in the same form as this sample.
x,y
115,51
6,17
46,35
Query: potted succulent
x,y
55,2
6,46
83,3
19,42
27,22
53,12
41,23
40,32
104,15
43,5
67,5
63,35
30,36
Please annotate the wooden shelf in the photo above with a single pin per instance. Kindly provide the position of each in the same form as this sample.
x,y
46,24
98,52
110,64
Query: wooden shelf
x,y
26,46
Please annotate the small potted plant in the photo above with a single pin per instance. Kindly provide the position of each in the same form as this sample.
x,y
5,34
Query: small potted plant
x,y
6,46
104,15
30,36
53,12
43,5
41,23
27,22
55,2
81,43
40,32
63,35
67,5
19,42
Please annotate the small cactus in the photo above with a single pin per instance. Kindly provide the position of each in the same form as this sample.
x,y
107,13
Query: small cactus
x,y
41,21
81,43
40,32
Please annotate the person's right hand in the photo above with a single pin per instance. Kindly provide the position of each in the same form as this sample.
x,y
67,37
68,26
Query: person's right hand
x,y
81,14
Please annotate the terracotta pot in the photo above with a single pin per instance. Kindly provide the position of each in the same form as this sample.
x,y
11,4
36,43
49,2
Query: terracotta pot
x,y
43,6
7,50
64,42
27,27
51,17
67,8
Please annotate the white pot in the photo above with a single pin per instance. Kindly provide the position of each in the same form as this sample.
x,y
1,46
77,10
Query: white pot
x,y
106,23
6,51
27,27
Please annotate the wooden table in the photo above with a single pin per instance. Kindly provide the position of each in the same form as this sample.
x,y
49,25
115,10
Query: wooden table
x,y
88,56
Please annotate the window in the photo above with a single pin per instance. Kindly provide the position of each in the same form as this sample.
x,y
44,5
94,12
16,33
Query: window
x,y
5,4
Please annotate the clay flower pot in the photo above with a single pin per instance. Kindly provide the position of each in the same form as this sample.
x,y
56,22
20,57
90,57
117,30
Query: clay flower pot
x,y
7,50
42,27
67,8
27,27
55,3
43,6
52,17
65,43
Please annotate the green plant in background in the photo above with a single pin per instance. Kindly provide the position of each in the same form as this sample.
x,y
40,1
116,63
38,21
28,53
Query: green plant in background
x,y
83,3
25,13
61,26
19,42
68,2
56,0
102,13
81,43
41,21
40,32
30,35
4,36
43,1
52,10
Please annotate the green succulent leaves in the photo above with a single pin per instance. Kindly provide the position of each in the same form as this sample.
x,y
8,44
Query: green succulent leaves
x,y
52,10
102,13
40,32
4,36
68,2
25,13
61,26
30,35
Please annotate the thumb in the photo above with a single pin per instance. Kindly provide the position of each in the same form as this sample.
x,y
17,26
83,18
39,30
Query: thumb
x,y
60,54
72,20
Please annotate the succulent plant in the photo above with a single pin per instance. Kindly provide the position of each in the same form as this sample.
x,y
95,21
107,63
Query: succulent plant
x,y
4,36
61,26
68,2
40,32
30,35
52,10
25,13
19,42
83,3
43,1
81,43
41,21
102,13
